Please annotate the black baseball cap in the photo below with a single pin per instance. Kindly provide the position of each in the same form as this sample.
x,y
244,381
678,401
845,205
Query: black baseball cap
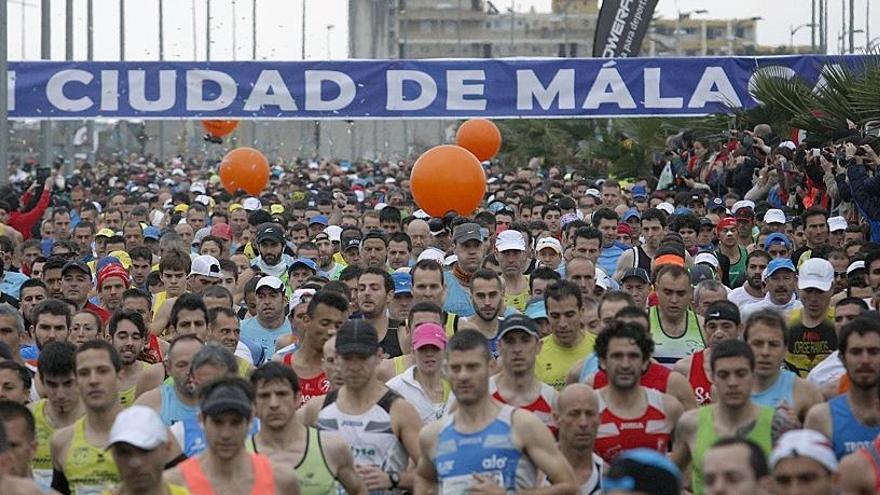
x,y
469,231
723,310
357,337
639,273
225,398
352,242
271,232
76,265
517,322
437,226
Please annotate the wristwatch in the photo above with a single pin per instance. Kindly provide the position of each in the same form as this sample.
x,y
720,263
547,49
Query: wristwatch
x,y
394,478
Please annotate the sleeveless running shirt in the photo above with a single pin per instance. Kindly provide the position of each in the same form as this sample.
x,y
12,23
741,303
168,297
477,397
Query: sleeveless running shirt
x,y
641,259
172,490
126,397
198,484
848,434
369,435
42,463
489,452
173,409
700,383
706,437
542,407
651,430
872,452
668,350
315,477
781,391
656,377
313,386
88,469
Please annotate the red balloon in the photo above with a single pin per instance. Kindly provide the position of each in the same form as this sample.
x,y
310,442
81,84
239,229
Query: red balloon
x,y
448,178
219,128
244,168
481,137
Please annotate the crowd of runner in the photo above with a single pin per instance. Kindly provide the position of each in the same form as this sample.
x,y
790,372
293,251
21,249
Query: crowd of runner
x,y
712,329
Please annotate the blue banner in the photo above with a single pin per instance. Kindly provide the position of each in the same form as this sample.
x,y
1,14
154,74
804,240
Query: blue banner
x,y
393,89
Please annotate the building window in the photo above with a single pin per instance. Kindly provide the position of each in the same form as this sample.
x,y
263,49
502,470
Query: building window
x,y
449,27
425,26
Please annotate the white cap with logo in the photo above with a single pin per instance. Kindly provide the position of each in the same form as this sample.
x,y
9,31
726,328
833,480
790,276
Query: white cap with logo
x,y
139,426
816,273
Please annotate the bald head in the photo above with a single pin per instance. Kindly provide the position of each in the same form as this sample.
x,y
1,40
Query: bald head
x,y
576,394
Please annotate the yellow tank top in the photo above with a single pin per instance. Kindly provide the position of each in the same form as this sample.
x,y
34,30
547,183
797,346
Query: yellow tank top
x,y
315,477
518,301
126,397
399,364
172,489
42,463
244,367
89,469
554,361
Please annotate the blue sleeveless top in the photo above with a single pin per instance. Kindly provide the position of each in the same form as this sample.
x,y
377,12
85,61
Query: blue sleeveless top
x,y
173,410
781,391
847,433
489,452
194,441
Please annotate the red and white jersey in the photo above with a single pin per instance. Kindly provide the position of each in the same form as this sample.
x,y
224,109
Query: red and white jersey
x,y
698,379
656,377
313,386
651,430
542,406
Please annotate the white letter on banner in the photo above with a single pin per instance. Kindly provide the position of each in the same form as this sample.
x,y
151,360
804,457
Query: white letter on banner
x,y
714,77
137,91
270,90
314,82
529,89
608,77
109,90
10,91
652,92
456,89
55,90
772,71
394,80
195,80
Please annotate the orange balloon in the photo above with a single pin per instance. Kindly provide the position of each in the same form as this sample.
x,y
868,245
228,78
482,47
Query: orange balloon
x,y
219,128
244,168
448,178
481,137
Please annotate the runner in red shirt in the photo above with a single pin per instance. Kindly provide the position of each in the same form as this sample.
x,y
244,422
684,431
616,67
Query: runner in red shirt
x,y
326,312
631,415
722,322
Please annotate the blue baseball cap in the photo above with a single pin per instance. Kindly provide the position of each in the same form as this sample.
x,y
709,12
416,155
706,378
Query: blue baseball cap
x,y
106,260
630,213
535,309
776,265
402,283
717,204
321,219
152,233
777,238
304,261
639,192
681,210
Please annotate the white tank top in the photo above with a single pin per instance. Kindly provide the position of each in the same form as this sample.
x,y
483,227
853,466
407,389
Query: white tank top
x,y
369,435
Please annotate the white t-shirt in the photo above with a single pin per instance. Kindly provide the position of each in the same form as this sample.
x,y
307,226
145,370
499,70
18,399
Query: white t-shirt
x,y
828,371
740,297
406,385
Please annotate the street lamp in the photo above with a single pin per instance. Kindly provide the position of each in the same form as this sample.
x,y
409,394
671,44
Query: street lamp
x,y
329,28
794,29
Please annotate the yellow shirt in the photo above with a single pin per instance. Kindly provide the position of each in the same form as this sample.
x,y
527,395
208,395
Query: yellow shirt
x,y
172,489
554,361
158,300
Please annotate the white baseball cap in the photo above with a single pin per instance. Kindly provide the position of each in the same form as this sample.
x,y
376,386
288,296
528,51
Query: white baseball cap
x,y
510,240
300,296
206,266
706,257
251,204
855,265
197,187
139,426
548,242
432,253
333,232
774,215
745,203
816,273
421,214
836,223
203,199
804,443
271,282
667,207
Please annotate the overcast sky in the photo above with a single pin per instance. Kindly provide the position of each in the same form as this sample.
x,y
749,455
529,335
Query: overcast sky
x,y
279,21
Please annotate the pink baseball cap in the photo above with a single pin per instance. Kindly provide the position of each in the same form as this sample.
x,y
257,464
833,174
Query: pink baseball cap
x,y
222,230
429,334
